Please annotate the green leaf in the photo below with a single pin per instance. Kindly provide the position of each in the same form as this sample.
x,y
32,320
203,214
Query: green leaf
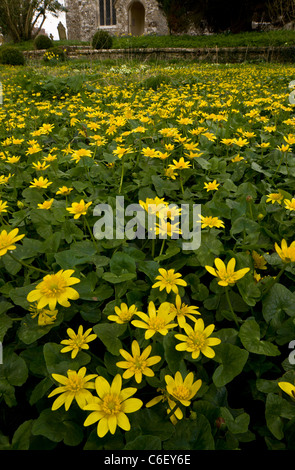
x,y
250,337
232,360
279,299
115,279
147,442
236,425
59,363
109,334
173,357
22,436
277,408
57,426
121,263
193,435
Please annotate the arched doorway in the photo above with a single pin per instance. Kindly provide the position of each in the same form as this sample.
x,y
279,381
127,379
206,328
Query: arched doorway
x,y
136,18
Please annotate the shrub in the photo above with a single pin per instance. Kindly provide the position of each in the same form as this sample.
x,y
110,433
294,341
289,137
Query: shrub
x,y
53,55
102,40
10,55
43,42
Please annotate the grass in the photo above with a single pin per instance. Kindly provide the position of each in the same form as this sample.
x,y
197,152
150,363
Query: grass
x,y
253,38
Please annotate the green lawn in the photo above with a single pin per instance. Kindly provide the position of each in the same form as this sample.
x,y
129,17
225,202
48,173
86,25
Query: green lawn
x,y
271,38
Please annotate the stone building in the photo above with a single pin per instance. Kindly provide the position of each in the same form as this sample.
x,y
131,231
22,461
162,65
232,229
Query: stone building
x,y
118,17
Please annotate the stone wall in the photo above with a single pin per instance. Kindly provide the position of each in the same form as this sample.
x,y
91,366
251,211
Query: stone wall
x,y
209,55
83,19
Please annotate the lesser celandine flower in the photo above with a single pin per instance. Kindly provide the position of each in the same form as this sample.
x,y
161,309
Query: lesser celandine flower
x,y
55,288
45,316
111,406
79,208
285,252
73,387
197,339
40,183
183,311
155,321
288,388
182,390
8,240
180,164
123,313
290,204
209,221
275,197
3,206
138,363
259,260
46,204
77,341
211,186
162,398
169,280
226,274
64,190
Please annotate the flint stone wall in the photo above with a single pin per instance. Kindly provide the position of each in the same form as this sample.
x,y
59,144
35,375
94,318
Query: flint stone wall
x,y
83,18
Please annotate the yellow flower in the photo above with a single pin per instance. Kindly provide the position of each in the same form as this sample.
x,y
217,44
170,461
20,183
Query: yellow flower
x,y
35,148
55,288
170,173
64,190
290,204
153,206
138,363
209,221
79,208
275,197
290,139
123,314
237,158
13,159
78,154
259,261
77,341
75,386
181,311
165,228
148,152
8,240
226,274
40,183
39,166
3,206
169,280
181,164
164,397
287,254
211,186
45,316
46,204
197,339
4,179
284,148
121,151
156,320
288,388
182,390
111,406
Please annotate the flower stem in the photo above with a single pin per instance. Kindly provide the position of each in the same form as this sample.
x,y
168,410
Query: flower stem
x,y
274,281
231,308
29,266
122,176
171,412
162,247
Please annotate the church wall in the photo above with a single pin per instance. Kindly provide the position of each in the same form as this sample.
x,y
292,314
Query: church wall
x,y
83,18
